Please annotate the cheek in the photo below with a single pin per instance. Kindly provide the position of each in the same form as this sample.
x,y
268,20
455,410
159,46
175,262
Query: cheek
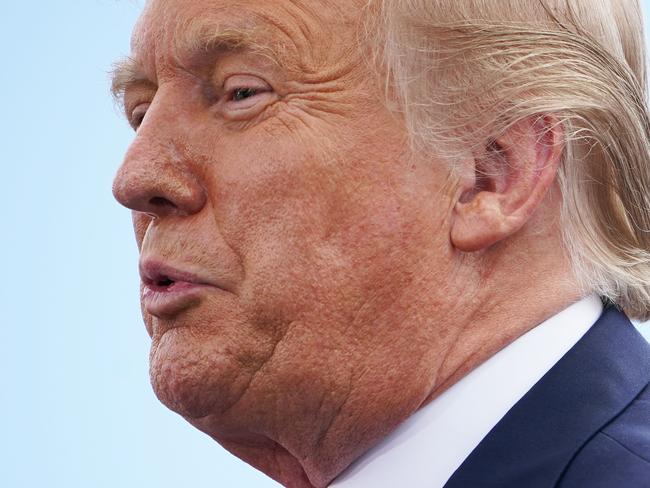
x,y
271,194
301,222
337,266
324,241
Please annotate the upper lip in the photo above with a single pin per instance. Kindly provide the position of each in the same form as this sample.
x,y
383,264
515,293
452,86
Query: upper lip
x,y
158,273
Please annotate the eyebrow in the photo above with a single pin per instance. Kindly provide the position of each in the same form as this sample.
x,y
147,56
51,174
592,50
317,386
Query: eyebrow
x,y
126,72
197,37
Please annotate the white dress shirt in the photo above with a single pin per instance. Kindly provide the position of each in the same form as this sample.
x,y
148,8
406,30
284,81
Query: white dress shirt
x,y
426,449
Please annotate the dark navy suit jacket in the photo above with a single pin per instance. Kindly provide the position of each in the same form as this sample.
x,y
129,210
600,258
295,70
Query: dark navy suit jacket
x,y
585,424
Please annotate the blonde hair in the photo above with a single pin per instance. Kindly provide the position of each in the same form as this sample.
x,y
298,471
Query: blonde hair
x,y
462,71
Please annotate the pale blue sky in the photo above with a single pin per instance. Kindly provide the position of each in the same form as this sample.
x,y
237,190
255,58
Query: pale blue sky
x,y
76,408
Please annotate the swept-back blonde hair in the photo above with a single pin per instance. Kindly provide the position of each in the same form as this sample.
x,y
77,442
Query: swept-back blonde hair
x,y
462,71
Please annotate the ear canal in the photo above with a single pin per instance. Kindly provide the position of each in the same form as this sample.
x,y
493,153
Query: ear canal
x,y
488,171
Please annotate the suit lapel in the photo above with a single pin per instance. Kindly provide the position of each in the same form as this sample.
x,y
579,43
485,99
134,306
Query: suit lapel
x,y
535,441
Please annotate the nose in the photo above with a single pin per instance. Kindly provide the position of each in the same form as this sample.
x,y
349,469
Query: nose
x,y
156,178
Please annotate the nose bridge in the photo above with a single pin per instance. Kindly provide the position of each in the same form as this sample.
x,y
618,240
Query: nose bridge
x,y
156,176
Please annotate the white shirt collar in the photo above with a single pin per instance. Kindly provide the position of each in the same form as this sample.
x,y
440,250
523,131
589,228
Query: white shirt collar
x,y
426,449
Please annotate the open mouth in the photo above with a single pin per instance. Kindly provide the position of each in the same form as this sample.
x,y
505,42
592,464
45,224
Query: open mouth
x,y
168,291
158,277
160,283
164,282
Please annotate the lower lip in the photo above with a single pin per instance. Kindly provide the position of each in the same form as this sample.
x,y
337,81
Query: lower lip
x,y
169,301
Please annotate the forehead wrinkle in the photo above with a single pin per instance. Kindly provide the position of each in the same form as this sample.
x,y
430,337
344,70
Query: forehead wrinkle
x,y
309,26
284,39
146,37
205,35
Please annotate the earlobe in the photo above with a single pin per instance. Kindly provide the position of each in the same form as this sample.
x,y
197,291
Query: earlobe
x,y
510,181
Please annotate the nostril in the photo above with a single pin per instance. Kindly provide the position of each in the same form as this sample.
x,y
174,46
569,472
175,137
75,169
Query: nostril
x,y
161,202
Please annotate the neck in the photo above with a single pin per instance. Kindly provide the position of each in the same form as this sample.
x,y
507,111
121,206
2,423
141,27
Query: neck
x,y
492,306
497,321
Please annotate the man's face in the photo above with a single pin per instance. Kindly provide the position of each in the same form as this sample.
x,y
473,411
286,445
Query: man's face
x,y
293,249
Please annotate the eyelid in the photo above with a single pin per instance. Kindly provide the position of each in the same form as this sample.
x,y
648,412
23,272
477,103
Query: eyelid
x,y
246,107
136,96
138,113
245,81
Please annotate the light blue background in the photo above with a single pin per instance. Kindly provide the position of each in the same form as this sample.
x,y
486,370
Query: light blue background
x,y
76,408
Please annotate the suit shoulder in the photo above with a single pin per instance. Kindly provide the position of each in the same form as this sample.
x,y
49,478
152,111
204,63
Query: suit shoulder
x,y
619,454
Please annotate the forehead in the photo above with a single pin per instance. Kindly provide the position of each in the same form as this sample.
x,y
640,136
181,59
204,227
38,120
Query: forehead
x,y
305,29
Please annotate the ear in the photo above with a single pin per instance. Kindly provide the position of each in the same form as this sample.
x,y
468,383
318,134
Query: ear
x,y
510,181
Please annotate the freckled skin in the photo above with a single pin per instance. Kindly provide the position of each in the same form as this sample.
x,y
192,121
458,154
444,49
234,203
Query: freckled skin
x,y
347,305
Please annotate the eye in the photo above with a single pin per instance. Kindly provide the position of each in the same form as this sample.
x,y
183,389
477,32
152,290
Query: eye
x,y
138,114
245,96
240,94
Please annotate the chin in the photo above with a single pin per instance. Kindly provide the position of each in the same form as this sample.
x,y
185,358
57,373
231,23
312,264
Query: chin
x,y
192,377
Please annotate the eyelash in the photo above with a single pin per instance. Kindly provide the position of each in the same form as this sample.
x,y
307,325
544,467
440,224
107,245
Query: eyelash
x,y
252,93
